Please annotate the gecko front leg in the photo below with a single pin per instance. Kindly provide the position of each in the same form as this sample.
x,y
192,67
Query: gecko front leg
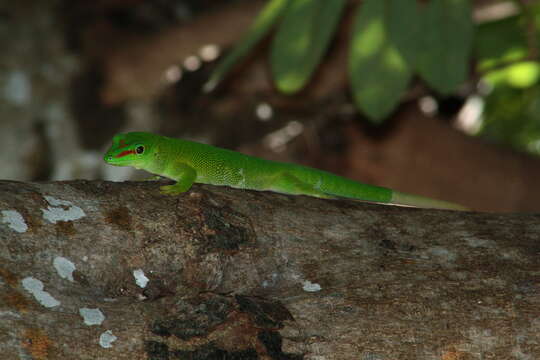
x,y
184,175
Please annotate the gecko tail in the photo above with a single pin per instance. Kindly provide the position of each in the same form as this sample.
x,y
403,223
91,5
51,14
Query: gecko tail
x,y
399,198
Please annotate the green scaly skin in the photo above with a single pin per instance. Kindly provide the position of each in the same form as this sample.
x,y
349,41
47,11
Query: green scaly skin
x,y
188,162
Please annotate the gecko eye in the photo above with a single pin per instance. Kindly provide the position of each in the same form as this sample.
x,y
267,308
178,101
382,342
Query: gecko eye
x,y
139,149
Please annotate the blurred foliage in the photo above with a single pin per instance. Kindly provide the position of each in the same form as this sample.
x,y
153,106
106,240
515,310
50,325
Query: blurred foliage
x,y
512,104
512,115
379,73
301,40
390,40
263,23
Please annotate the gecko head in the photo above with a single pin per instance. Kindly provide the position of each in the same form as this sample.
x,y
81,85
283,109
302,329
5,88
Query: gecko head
x,y
130,149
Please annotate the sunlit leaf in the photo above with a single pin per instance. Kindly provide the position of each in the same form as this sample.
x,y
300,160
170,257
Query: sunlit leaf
x,y
445,41
379,74
511,116
499,42
519,75
301,40
263,23
512,104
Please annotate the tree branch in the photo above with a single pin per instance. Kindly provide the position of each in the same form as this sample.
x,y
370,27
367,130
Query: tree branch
x,y
128,273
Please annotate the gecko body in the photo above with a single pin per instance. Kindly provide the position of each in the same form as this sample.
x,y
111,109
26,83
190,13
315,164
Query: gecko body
x,y
189,162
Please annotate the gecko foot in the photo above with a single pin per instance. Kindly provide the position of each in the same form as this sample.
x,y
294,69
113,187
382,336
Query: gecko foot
x,y
171,190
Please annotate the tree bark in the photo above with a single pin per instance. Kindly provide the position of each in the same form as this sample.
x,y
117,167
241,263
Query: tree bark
x,y
97,269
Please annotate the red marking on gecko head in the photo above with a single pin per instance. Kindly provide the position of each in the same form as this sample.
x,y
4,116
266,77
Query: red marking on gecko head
x,y
124,153
122,143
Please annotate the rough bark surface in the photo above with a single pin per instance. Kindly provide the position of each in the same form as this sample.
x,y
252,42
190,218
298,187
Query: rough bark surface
x,y
100,270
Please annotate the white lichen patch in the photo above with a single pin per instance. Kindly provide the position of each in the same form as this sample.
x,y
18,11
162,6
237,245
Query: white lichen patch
x,y
35,287
14,220
480,243
106,339
311,287
91,316
64,267
10,314
442,254
140,279
17,88
272,282
337,232
61,210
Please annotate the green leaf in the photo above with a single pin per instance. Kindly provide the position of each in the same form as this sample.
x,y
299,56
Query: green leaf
x,y
500,41
404,20
379,73
301,41
263,23
444,43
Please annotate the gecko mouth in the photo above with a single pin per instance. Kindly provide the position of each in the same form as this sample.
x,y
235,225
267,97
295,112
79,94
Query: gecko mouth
x,y
112,160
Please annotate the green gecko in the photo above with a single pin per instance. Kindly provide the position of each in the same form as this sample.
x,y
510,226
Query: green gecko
x,y
188,162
